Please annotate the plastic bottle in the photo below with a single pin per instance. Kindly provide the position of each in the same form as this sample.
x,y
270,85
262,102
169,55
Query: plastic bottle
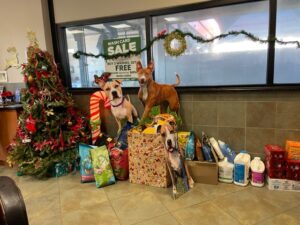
x,y
17,95
216,147
227,151
241,168
257,169
225,171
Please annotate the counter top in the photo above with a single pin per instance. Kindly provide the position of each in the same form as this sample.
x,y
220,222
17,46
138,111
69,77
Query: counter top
x,y
11,106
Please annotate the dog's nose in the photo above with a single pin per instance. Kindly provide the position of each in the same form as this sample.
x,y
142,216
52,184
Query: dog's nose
x,y
169,142
142,81
114,94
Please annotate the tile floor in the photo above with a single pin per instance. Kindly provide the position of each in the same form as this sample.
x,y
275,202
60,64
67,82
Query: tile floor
x,y
65,201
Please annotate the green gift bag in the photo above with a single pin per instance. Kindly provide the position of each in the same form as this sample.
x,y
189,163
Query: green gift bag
x,y
102,169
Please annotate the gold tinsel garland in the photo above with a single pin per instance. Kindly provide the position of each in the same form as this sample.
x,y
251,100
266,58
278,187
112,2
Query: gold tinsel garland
x,y
182,44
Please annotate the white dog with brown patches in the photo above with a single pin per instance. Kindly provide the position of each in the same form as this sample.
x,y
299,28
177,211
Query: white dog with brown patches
x,y
175,158
121,108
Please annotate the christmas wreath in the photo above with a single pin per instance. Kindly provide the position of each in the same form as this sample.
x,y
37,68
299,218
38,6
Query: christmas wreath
x,y
175,35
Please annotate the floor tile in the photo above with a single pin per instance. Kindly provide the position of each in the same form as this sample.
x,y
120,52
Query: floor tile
x,y
290,217
136,208
202,214
101,214
214,191
166,219
192,197
81,198
122,189
256,204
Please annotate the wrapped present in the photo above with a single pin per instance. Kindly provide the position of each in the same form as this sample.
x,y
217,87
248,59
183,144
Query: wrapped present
x,y
147,163
61,169
119,163
86,168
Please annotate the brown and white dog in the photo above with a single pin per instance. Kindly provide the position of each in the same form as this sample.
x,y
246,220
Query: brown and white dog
x,y
175,158
152,93
121,108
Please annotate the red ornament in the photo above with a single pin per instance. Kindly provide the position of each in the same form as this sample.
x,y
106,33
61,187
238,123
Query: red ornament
x,y
30,124
162,33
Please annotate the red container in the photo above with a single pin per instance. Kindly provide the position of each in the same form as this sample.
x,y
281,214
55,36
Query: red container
x,y
274,163
276,173
274,152
293,169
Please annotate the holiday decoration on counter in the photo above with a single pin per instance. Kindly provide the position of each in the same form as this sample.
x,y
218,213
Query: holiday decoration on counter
x,y
180,37
49,126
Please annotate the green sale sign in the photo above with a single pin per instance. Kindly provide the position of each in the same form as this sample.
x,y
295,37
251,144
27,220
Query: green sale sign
x,y
123,67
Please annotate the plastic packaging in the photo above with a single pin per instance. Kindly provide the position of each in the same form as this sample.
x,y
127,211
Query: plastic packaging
x,y
225,171
216,147
206,149
241,168
227,151
257,172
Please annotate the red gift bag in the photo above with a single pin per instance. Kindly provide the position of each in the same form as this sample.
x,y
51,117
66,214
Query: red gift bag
x,y
119,163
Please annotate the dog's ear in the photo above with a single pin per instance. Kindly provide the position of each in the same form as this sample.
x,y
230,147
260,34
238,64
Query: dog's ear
x,y
158,129
151,65
119,81
139,66
96,79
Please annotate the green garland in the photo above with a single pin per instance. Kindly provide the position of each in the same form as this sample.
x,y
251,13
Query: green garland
x,y
199,39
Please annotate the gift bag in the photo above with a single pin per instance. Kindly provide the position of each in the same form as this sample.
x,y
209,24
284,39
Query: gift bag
x,y
102,169
119,163
86,169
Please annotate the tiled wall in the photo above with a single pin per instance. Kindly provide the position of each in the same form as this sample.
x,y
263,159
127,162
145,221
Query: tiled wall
x,y
246,120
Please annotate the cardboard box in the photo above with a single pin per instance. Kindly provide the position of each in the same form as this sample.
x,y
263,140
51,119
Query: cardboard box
x,y
204,172
147,163
283,184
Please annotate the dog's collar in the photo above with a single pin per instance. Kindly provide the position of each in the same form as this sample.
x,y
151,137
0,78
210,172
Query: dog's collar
x,y
119,103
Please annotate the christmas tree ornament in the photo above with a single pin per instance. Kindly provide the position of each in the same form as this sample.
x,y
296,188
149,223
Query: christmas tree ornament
x,y
30,79
70,123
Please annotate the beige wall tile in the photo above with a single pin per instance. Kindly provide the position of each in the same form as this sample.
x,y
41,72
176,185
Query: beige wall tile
x,y
235,137
185,97
257,138
231,114
288,116
208,130
261,114
206,96
282,135
186,112
204,113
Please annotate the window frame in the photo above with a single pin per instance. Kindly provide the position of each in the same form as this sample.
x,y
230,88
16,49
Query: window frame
x,y
61,52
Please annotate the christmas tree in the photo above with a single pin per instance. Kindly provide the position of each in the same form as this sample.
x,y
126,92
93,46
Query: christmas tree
x,y
49,126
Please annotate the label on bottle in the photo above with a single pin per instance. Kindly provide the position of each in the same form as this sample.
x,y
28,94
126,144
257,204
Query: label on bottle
x,y
239,173
225,173
257,177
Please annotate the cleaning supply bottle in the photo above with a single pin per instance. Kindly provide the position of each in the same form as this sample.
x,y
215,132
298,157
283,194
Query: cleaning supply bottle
x,y
241,168
257,172
225,171
216,148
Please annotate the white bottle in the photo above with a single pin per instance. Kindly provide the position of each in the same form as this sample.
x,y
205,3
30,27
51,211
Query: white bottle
x,y
216,147
225,171
257,169
241,168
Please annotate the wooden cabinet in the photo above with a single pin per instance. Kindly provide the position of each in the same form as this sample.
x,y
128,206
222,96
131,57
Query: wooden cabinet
x,y
8,128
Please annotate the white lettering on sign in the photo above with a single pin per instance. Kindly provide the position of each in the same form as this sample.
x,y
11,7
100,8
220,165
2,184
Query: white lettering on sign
x,y
122,48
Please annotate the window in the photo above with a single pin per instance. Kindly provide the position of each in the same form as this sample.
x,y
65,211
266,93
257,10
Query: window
x,y
231,61
89,38
235,61
287,64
